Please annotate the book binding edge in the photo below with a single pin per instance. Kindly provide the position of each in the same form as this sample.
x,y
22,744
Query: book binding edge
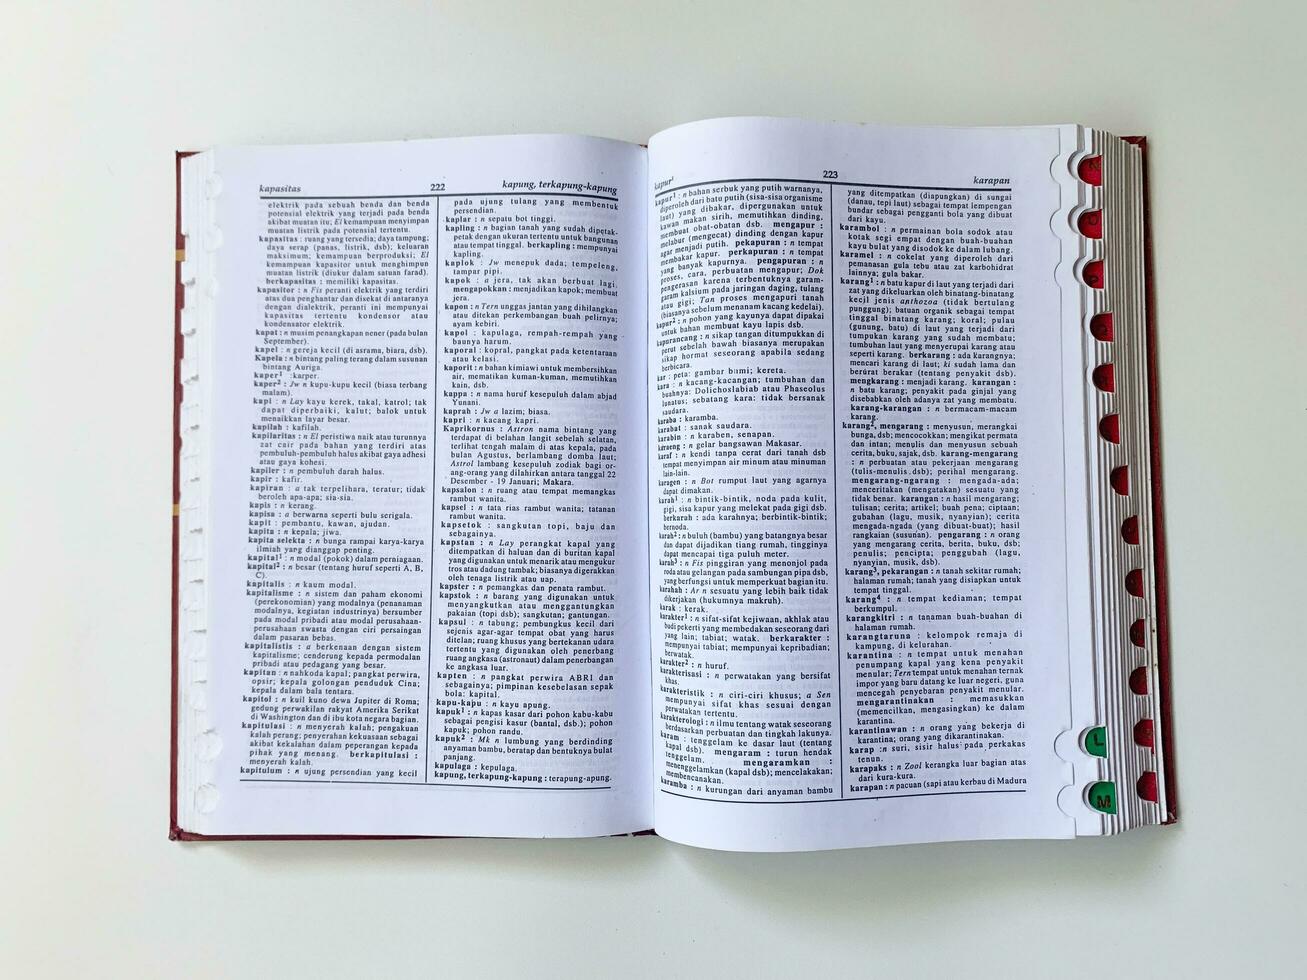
x,y
1164,677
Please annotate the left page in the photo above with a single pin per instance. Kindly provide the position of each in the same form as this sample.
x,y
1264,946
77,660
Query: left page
x,y
413,540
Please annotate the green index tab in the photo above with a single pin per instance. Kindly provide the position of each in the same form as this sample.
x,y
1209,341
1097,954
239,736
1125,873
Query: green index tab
x,y
1096,741
1102,797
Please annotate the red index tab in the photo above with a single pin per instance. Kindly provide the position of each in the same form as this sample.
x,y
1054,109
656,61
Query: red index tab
x,y
1119,478
1094,274
1144,733
1134,582
1138,632
1139,680
1091,171
1091,224
1101,327
1130,530
1147,786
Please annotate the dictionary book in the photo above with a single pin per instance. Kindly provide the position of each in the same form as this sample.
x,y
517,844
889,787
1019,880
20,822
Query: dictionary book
x,y
777,485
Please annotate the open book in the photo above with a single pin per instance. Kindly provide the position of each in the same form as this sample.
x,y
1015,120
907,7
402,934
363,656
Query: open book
x,y
780,485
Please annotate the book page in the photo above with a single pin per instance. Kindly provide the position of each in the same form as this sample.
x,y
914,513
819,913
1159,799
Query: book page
x,y
858,489
426,538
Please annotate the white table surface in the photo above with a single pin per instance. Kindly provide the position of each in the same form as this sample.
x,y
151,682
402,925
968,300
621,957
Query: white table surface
x,y
92,104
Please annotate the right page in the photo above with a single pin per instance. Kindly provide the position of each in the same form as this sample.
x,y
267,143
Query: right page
x,y
868,525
